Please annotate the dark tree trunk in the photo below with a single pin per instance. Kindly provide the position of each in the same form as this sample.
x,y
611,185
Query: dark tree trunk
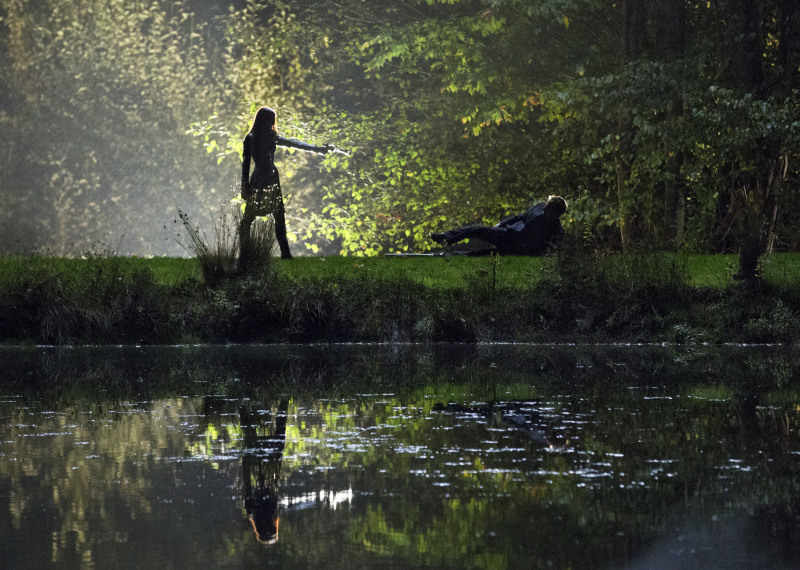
x,y
752,50
761,187
670,40
634,29
633,44
670,28
789,46
752,243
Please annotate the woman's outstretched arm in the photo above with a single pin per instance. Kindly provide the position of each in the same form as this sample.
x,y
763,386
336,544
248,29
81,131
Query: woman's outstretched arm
x,y
294,143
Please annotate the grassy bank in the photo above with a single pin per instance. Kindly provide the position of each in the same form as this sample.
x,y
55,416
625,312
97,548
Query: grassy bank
x,y
578,296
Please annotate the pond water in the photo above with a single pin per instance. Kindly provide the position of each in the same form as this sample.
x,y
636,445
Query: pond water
x,y
398,456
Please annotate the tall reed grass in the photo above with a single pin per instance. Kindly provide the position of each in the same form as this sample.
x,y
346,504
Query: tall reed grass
x,y
218,253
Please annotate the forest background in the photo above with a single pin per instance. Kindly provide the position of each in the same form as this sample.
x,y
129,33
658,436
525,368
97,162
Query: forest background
x,y
672,124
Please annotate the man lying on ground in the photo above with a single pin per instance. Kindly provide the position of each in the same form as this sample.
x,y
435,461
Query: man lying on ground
x,y
533,232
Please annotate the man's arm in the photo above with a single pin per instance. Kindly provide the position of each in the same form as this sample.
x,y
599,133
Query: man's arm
x,y
525,217
510,221
534,213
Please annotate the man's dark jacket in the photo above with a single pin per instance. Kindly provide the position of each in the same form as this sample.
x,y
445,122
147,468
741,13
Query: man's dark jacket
x,y
530,232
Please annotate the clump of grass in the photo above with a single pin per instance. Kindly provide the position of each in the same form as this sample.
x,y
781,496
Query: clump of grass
x,y
263,247
217,256
777,323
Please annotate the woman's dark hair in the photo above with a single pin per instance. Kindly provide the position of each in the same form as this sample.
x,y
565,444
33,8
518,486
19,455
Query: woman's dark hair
x,y
263,122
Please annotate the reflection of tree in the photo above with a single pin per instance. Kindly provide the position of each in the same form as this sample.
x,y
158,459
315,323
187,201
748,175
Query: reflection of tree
x,y
263,438
84,484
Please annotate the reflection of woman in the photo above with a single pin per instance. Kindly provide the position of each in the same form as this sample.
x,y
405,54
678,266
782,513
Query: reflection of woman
x,y
261,467
262,191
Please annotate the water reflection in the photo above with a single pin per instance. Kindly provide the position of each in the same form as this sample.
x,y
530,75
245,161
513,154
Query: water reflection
x,y
562,457
522,416
263,436
257,435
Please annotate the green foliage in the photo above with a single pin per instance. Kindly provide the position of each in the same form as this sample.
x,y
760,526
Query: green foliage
x,y
426,157
102,93
513,101
391,198
451,111
780,324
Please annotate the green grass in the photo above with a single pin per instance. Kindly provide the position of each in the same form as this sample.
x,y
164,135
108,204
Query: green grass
x,y
706,271
782,269
169,270
583,296
455,272
712,271
165,270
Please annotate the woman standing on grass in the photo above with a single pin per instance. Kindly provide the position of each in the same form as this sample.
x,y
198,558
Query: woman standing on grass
x,y
262,191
